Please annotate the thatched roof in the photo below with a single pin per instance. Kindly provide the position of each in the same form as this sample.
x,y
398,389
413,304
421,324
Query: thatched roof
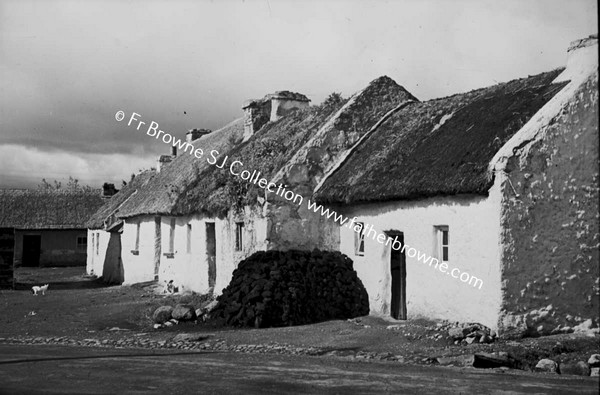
x,y
110,209
160,193
438,147
292,141
33,209
217,190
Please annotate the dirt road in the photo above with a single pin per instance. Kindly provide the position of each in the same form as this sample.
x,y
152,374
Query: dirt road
x,y
56,369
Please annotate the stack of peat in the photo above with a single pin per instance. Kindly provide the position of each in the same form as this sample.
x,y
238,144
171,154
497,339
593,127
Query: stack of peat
x,y
282,288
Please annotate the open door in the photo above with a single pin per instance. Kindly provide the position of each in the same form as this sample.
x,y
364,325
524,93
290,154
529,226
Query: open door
x,y
398,273
211,254
32,245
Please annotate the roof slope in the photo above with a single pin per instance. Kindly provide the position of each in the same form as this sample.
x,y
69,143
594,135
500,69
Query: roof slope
x,y
295,150
111,207
438,147
160,193
33,209
217,190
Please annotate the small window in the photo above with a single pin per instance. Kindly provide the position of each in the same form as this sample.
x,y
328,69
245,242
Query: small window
x,y
81,242
93,242
137,237
188,246
359,238
443,242
172,236
239,232
97,243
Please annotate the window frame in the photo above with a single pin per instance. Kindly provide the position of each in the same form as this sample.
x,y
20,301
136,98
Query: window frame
x,y
172,225
239,236
440,230
359,239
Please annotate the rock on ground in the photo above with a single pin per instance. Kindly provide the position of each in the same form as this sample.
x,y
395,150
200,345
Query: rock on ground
x,y
546,365
184,312
162,314
580,368
594,361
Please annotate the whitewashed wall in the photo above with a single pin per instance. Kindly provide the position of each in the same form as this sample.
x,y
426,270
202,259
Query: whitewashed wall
x,y
96,255
138,268
474,234
191,269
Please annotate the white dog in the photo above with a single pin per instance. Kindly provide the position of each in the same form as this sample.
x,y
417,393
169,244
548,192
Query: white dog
x,y
35,289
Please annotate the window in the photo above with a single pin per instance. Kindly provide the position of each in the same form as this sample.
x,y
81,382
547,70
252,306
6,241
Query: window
x,y
172,236
137,237
442,242
188,246
81,242
359,238
239,230
93,242
97,243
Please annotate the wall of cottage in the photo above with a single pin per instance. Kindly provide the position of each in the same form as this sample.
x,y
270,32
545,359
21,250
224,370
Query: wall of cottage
x,y
58,247
550,214
190,267
138,264
96,251
474,237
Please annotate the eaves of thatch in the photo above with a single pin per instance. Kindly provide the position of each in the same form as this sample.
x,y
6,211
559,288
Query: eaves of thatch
x,y
110,209
34,209
438,147
160,194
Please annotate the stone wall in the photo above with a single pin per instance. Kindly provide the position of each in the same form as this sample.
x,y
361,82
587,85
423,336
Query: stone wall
x,y
550,217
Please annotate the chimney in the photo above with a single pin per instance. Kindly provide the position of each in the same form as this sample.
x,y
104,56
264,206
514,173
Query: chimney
x,y
256,114
582,59
173,151
284,101
195,134
108,190
162,161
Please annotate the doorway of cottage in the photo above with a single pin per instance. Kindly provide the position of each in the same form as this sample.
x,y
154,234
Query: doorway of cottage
x,y
211,255
398,276
32,245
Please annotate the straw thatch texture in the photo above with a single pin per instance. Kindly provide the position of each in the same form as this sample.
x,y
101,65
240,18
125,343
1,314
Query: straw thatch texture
x,y
217,190
438,147
32,209
160,194
112,205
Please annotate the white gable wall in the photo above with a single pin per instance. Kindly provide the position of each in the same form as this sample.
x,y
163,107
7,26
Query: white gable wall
x,y
97,244
474,247
138,268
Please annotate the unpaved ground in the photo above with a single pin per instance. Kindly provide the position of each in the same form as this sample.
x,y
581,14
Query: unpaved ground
x,y
79,370
77,307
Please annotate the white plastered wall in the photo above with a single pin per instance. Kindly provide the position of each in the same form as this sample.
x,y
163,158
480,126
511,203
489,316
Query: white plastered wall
x,y
474,236
97,244
138,268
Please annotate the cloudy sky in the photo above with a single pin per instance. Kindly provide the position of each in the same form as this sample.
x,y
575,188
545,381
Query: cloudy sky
x,y
66,67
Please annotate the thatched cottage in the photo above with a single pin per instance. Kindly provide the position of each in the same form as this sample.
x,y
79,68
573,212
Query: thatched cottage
x,y
461,178
500,183
44,228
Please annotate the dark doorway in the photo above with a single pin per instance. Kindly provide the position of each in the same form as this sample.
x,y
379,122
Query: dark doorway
x,y
398,272
157,246
32,245
211,254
